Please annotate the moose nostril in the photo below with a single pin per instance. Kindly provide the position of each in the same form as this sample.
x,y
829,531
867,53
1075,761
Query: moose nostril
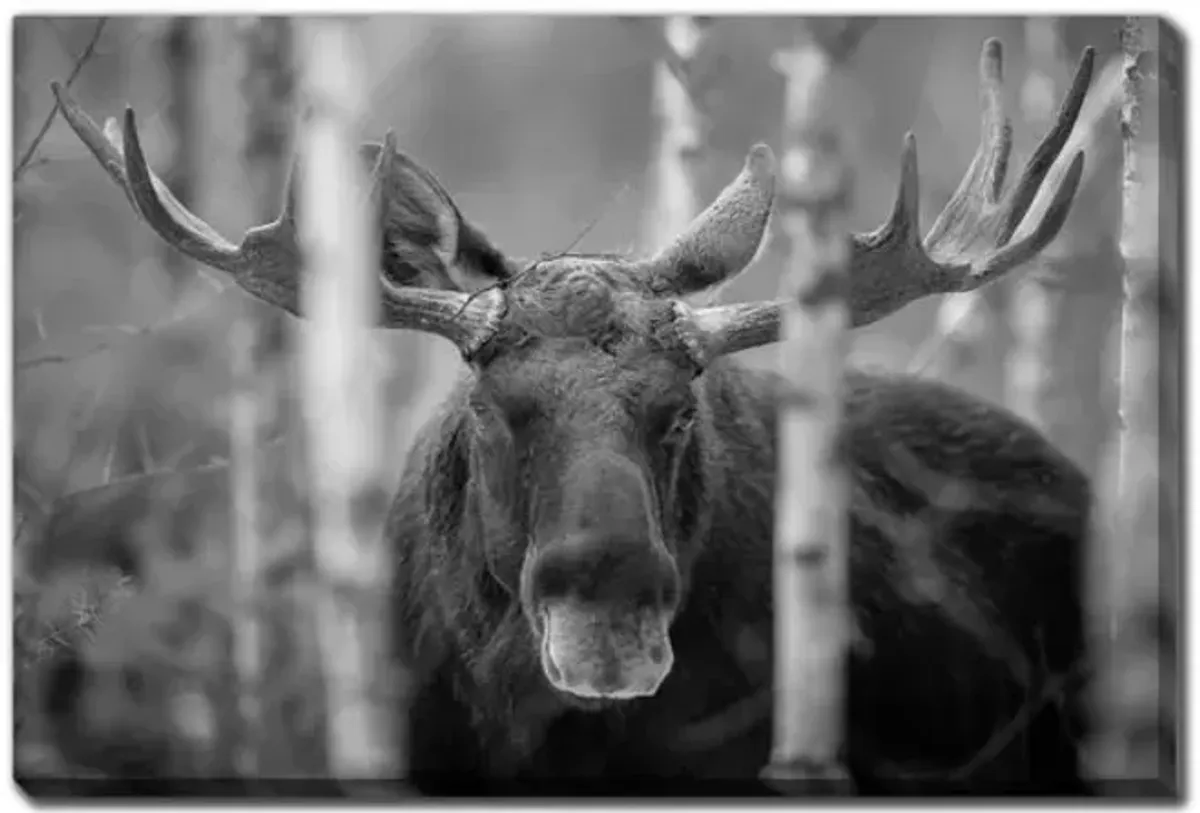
x,y
670,590
551,577
657,653
593,567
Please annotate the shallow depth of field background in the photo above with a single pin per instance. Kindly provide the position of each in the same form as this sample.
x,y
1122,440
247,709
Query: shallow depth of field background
x,y
537,126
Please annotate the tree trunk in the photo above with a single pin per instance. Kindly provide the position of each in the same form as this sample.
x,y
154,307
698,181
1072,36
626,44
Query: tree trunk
x,y
267,90
1136,686
812,615
268,87
349,443
682,131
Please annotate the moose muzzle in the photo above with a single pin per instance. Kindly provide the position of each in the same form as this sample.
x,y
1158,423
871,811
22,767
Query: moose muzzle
x,y
596,651
600,587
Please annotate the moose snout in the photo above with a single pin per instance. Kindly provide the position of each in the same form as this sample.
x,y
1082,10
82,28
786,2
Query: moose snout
x,y
601,652
603,609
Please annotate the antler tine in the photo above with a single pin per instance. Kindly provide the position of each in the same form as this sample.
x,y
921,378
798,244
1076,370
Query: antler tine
x,y
167,216
969,243
985,177
971,232
112,156
121,155
268,262
1052,143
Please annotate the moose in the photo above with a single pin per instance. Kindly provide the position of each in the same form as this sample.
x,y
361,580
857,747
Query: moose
x,y
583,531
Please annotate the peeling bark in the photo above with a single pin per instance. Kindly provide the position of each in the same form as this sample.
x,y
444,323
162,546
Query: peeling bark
x,y
1134,599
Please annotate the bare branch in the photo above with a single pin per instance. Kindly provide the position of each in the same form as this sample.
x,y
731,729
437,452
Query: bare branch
x,y
127,332
24,163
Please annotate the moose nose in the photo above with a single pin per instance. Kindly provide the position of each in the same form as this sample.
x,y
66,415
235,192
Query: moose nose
x,y
602,544
611,652
598,568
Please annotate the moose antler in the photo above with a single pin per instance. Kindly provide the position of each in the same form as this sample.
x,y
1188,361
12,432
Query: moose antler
x,y
971,242
268,262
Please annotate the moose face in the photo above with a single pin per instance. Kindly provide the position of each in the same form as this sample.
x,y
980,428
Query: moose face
x,y
584,410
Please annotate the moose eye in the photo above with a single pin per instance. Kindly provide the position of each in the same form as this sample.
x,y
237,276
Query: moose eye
x,y
681,422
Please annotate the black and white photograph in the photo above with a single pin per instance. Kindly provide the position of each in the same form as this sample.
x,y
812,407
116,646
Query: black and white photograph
x,y
494,406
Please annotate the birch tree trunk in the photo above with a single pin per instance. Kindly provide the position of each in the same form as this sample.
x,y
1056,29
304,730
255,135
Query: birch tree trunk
x,y
267,91
683,128
347,436
812,616
1135,689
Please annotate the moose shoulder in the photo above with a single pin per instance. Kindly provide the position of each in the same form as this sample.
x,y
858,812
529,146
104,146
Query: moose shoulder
x,y
584,530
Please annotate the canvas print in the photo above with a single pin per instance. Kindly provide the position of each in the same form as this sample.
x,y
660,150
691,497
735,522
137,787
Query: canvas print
x,y
541,406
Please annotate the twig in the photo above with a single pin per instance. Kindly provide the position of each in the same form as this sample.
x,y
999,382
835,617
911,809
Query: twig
x,y
1000,740
23,164
591,224
109,460
129,332
85,415
728,724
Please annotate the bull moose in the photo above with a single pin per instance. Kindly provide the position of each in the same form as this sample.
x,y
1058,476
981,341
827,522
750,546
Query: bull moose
x,y
583,531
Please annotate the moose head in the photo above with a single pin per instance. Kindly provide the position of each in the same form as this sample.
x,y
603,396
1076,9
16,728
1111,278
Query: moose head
x,y
585,397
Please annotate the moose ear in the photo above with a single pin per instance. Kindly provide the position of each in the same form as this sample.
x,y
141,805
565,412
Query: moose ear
x,y
426,241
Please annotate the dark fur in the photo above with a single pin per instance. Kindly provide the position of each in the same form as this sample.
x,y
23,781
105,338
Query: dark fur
x,y
958,624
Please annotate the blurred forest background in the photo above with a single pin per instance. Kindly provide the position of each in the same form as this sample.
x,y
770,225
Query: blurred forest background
x,y
539,127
